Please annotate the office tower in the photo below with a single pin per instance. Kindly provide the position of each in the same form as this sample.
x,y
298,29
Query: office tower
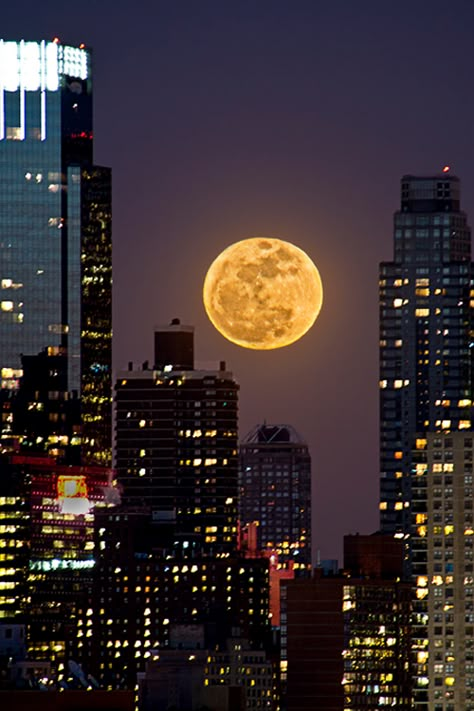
x,y
425,339
176,445
275,493
55,227
346,638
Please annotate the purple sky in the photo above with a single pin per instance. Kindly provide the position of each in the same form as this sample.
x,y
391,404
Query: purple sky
x,y
225,119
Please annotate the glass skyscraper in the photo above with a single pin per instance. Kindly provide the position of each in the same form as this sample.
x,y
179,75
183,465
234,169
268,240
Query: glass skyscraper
x,y
55,231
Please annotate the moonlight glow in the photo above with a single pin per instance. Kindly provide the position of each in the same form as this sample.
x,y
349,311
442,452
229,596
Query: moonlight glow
x,y
263,293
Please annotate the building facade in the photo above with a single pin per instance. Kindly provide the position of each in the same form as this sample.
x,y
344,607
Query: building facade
x,y
426,370
346,640
142,592
176,445
55,231
47,547
275,493
443,569
425,334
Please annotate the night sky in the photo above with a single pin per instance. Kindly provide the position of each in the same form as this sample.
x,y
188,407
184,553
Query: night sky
x,y
226,119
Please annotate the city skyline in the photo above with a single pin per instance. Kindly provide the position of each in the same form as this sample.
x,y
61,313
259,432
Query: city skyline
x,y
245,131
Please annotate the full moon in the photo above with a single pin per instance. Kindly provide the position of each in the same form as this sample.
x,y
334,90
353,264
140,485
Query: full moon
x,y
263,293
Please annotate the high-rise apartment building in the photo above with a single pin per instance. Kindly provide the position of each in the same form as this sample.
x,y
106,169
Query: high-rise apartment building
x,y
425,334
275,493
55,232
426,370
442,545
176,445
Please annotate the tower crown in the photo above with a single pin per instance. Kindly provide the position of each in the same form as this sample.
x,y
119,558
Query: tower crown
x,y
438,193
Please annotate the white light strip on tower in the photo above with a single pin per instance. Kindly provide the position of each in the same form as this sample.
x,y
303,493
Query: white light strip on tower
x,y
29,66
2,96
52,68
22,95
43,89
10,67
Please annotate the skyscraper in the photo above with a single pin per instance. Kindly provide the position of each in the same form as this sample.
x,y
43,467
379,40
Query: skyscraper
x,y
425,334
426,371
176,444
55,230
275,492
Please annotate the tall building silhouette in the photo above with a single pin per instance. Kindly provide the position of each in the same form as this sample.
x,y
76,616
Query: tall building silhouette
x,y
426,368
176,444
55,227
425,334
275,492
